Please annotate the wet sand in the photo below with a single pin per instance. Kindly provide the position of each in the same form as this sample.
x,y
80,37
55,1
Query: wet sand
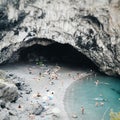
x,y
45,87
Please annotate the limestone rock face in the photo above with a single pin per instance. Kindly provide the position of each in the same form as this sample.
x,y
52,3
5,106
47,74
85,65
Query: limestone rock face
x,y
90,26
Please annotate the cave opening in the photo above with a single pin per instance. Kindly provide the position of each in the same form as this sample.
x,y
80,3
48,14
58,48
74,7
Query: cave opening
x,y
55,53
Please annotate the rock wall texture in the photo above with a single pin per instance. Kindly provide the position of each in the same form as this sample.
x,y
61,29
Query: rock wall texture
x,y
8,90
90,26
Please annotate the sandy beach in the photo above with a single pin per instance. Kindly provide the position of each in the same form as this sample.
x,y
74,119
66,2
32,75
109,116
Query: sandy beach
x,y
48,84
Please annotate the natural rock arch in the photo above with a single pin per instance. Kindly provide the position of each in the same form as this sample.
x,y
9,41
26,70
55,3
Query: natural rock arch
x,y
92,30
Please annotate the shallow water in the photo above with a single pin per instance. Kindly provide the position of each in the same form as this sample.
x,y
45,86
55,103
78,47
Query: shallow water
x,y
86,93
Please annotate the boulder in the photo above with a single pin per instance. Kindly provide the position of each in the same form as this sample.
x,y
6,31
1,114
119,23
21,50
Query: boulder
x,y
35,108
4,115
2,74
8,91
2,104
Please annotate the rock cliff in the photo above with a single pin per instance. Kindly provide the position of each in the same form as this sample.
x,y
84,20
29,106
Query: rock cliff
x,y
90,26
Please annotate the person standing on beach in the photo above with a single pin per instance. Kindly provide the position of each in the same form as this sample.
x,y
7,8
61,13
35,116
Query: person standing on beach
x,y
30,70
82,110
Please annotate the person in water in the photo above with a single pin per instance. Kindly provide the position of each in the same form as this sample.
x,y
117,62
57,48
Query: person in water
x,y
101,103
97,82
100,99
96,104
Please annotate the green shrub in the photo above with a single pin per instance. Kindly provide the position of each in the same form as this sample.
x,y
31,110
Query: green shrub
x,y
40,63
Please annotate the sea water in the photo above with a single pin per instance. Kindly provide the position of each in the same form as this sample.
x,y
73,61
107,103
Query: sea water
x,y
85,93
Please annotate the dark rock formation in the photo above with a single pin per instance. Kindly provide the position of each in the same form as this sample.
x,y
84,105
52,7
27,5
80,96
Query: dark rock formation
x,y
92,27
37,109
8,92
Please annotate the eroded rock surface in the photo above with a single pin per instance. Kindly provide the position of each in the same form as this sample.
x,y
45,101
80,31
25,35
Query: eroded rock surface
x,y
92,27
8,91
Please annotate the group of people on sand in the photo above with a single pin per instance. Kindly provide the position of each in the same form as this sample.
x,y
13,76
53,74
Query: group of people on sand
x,y
52,74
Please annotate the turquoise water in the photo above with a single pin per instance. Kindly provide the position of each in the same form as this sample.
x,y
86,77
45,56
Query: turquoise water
x,y
86,93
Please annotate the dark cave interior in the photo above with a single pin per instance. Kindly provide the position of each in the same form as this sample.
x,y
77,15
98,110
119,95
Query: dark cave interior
x,y
57,53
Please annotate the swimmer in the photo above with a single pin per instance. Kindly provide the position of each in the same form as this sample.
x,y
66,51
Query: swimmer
x,y
96,104
97,82
100,99
101,103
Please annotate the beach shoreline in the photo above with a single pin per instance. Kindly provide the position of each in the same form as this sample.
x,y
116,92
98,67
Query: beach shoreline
x,y
46,87
83,76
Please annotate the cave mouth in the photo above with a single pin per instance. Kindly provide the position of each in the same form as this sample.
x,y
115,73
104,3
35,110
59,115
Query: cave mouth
x,y
55,53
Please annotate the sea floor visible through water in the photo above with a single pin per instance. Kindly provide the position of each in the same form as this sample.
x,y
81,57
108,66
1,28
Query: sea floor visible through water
x,y
96,99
